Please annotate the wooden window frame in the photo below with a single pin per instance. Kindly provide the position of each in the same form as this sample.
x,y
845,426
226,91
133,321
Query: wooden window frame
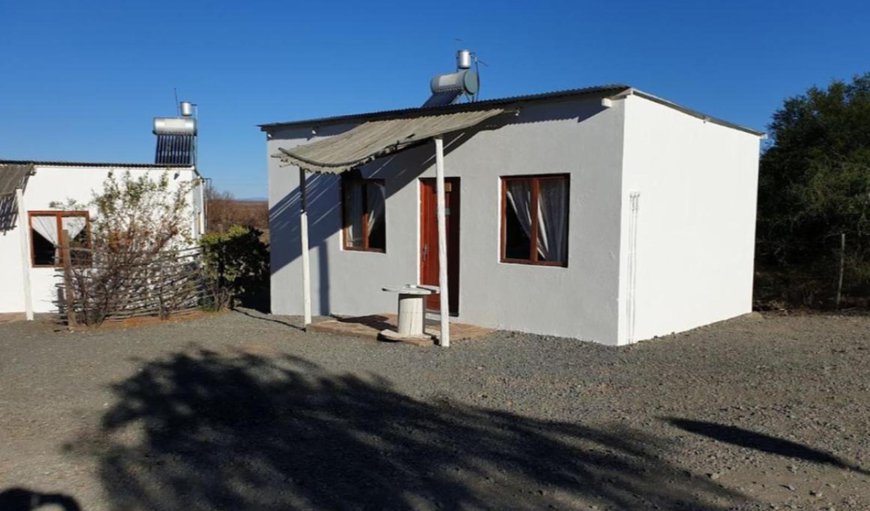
x,y
59,215
534,180
345,238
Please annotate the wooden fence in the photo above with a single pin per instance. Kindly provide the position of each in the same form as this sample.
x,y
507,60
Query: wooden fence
x,y
101,287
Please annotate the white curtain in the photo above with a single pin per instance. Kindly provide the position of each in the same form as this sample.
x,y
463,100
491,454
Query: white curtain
x,y
73,225
375,199
353,192
553,219
46,226
519,194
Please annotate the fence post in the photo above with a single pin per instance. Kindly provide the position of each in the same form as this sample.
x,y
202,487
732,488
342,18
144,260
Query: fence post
x,y
69,301
842,266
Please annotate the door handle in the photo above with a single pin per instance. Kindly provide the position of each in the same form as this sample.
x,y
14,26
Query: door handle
x,y
426,251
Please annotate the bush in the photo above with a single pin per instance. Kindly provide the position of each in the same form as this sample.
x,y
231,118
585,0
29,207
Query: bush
x,y
814,186
236,266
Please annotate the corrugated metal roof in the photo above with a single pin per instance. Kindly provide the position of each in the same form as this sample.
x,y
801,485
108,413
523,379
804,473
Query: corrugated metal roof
x,y
459,107
602,90
373,139
12,177
89,164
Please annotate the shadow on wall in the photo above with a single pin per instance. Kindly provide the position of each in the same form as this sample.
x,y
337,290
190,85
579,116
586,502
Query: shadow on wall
x,y
22,499
243,431
761,442
324,200
399,170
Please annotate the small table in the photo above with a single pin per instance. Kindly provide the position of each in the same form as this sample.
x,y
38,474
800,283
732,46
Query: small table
x,y
412,310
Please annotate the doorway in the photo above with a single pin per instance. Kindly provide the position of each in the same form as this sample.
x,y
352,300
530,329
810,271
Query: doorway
x,y
429,264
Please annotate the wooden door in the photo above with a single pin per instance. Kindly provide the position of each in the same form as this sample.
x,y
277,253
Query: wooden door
x,y
429,240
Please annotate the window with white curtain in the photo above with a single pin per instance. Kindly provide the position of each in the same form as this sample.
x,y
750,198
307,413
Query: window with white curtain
x,y
45,236
363,205
534,224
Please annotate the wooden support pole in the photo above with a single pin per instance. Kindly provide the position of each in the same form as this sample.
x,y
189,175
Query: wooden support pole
x,y
842,267
69,296
444,341
24,227
303,230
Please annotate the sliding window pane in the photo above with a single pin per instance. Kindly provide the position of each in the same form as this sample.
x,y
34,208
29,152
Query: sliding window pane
x,y
553,220
353,213
518,219
375,201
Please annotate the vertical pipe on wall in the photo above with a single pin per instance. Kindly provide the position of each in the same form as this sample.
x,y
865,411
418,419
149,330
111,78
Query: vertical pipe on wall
x,y
25,253
631,306
303,230
444,341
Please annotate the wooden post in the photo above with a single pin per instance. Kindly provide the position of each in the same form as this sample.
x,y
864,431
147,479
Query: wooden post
x,y
303,230
444,341
842,266
69,300
24,226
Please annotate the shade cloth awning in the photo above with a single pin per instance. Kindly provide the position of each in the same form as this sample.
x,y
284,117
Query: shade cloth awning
x,y
371,140
13,177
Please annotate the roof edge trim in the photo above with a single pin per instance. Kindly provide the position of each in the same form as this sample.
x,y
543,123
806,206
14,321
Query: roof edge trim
x,y
95,164
688,111
604,90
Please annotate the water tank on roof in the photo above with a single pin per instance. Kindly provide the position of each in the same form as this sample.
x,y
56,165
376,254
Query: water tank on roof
x,y
461,82
174,126
463,59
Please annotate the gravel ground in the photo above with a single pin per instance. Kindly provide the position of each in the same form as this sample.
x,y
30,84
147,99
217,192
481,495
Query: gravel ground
x,y
244,411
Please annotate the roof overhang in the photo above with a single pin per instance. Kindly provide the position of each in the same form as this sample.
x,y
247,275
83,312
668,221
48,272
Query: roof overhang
x,y
374,139
506,102
631,91
13,177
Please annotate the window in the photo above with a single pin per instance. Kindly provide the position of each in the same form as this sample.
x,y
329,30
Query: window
x,y
363,203
534,225
45,236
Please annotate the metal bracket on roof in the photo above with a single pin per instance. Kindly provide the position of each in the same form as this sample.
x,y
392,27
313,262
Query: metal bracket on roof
x,y
607,102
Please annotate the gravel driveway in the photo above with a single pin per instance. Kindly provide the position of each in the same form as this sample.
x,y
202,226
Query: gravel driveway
x,y
244,411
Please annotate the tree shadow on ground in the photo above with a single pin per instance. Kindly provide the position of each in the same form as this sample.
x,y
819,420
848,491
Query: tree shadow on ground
x,y
204,430
761,442
22,499
271,318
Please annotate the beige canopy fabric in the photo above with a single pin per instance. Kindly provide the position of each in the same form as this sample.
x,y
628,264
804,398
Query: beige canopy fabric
x,y
373,139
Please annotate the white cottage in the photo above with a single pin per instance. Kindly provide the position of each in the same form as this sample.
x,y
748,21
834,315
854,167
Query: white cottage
x,y
604,214
30,227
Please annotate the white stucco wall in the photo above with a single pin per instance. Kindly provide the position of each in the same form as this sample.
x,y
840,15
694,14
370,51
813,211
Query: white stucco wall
x,y
578,137
58,184
698,183
11,274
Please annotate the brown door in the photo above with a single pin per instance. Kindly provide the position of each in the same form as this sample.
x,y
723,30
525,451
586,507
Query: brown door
x,y
429,240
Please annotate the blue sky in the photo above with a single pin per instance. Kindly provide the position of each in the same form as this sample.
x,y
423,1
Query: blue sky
x,y
82,80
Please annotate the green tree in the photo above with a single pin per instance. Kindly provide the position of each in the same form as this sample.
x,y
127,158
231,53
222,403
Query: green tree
x,y
814,185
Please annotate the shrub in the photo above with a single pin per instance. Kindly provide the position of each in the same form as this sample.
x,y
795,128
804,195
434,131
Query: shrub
x,y
135,263
236,265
